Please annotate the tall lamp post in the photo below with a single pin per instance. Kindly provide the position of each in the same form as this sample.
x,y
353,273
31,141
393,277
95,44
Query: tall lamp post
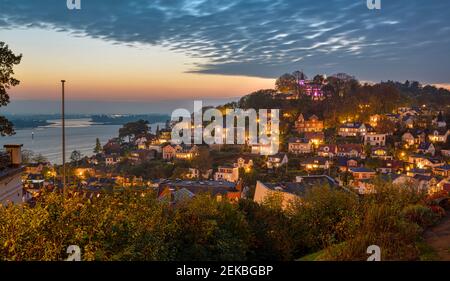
x,y
63,125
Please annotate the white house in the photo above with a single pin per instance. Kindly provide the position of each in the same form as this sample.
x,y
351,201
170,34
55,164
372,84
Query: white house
x,y
375,139
224,173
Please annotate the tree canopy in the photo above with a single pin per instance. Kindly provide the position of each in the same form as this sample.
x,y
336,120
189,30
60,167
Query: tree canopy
x,y
7,62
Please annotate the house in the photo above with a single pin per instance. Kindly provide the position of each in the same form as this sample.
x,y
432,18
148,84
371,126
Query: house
x,y
187,152
408,121
262,149
291,191
11,169
312,124
362,179
439,135
112,159
176,191
112,147
327,150
418,171
315,138
361,173
196,174
36,168
390,166
243,163
408,138
422,161
277,160
227,173
374,119
352,129
349,150
299,146
316,163
375,139
142,155
426,148
169,151
439,121
344,163
381,153
141,143
443,171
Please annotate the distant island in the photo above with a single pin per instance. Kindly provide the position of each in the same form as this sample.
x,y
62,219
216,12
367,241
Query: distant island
x,y
39,120
123,119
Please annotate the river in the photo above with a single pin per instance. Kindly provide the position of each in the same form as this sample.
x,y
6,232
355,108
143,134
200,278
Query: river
x,y
80,135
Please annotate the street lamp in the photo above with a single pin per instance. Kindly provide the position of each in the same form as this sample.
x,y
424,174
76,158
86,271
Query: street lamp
x,y
63,125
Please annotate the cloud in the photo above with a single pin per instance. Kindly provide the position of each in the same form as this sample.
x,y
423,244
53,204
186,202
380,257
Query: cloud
x,y
263,37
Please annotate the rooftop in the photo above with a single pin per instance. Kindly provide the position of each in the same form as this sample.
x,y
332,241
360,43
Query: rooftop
x,y
304,184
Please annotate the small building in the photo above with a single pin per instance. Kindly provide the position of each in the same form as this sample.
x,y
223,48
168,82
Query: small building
x,y
350,150
345,163
176,191
426,148
299,146
408,138
112,159
245,163
443,171
439,135
142,155
352,129
381,153
291,191
277,160
327,150
227,173
375,139
361,173
423,161
315,138
316,163
312,124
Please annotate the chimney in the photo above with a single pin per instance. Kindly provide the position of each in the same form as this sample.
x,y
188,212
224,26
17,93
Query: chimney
x,y
15,150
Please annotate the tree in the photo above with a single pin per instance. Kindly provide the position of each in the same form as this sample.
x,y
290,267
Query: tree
x,y
75,156
202,161
287,83
386,126
7,61
134,129
39,158
98,146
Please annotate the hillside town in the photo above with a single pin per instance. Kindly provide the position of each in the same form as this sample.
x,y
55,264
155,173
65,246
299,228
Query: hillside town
x,y
407,145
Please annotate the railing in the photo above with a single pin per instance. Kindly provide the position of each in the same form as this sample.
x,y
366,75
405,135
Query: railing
x,y
5,160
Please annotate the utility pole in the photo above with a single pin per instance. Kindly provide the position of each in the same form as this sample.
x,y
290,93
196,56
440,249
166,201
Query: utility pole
x,y
63,125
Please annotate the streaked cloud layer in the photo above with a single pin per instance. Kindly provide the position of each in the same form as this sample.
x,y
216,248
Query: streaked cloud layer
x,y
405,40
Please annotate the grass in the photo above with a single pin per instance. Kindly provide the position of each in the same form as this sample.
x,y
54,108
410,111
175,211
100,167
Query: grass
x,y
427,253
312,257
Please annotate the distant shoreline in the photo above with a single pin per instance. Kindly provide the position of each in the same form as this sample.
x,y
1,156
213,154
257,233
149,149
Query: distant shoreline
x,y
41,120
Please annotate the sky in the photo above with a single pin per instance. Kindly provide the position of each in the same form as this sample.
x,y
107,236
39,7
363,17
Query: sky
x,y
161,51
